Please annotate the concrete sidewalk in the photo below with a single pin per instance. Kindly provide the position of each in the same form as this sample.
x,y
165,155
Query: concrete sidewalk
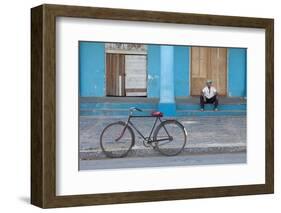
x,y
206,135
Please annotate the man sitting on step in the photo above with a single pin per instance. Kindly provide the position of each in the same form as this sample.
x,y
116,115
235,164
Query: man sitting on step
x,y
209,95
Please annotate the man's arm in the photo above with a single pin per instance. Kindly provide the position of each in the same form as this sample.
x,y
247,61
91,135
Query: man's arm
x,y
202,94
216,93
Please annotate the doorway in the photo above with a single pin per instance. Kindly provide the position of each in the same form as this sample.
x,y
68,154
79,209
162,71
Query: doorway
x,y
126,75
208,63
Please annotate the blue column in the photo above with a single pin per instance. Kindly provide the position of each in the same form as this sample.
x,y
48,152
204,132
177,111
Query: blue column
x,y
167,103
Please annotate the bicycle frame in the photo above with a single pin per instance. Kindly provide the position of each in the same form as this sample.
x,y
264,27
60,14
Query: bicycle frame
x,y
147,139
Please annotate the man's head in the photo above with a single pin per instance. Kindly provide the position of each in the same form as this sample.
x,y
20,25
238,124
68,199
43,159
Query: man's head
x,y
209,83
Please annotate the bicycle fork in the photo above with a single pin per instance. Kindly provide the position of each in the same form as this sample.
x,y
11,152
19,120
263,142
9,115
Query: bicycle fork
x,y
122,133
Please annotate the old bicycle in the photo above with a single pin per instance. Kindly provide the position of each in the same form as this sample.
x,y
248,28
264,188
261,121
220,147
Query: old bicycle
x,y
168,137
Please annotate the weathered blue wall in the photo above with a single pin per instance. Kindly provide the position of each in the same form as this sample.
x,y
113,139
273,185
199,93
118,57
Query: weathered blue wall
x,y
153,71
237,72
91,69
181,70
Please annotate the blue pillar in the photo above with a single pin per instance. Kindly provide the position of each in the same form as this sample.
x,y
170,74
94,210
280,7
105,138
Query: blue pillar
x,y
167,103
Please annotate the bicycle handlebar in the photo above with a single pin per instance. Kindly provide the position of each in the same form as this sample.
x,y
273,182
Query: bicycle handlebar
x,y
135,108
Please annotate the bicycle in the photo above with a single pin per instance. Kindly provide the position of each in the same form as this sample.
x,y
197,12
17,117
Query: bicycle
x,y
118,138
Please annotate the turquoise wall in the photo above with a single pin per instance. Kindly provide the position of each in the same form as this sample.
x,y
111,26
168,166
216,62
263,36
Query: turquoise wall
x,y
91,69
153,71
237,72
181,70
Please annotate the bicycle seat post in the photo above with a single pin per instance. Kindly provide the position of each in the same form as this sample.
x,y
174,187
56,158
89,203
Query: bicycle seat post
x,y
131,111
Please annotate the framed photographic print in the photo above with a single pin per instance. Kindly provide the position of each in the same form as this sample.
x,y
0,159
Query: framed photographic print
x,y
136,106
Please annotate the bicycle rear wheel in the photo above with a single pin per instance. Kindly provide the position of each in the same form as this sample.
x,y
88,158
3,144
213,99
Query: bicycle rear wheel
x,y
171,137
116,141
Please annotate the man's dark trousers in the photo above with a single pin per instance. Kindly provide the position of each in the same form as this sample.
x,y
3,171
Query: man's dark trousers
x,y
213,100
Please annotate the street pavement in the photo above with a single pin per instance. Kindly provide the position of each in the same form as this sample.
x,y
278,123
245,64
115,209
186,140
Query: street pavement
x,y
163,161
206,135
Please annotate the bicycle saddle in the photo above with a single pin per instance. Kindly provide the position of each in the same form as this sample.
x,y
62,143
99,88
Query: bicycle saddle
x,y
157,114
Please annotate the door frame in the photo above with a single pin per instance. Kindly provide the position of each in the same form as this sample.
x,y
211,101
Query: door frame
x,y
227,59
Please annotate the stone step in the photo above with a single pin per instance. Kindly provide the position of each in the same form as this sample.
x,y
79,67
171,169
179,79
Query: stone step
x,y
211,106
148,106
122,112
117,105
113,112
211,113
95,108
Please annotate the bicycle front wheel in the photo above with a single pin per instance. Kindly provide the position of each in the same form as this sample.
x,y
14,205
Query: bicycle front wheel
x,y
170,137
116,140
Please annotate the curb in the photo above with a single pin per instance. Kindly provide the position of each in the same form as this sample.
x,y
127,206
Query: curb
x,y
141,152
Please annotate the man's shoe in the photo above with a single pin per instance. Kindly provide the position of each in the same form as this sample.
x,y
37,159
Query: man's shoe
x,y
201,109
216,109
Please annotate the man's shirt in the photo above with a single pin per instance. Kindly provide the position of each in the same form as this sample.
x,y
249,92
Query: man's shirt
x,y
209,93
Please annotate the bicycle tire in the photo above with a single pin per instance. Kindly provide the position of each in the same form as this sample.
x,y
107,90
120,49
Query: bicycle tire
x,y
171,149
115,150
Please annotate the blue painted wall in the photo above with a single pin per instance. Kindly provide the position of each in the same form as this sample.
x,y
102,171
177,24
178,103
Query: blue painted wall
x,y
91,69
153,71
181,70
237,72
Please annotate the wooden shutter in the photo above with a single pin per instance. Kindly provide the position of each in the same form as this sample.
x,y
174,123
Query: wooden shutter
x,y
115,74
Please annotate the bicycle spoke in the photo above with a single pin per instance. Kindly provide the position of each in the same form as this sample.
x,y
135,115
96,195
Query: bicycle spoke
x,y
160,143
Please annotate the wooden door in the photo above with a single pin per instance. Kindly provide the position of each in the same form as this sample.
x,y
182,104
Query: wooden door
x,y
136,75
208,63
115,74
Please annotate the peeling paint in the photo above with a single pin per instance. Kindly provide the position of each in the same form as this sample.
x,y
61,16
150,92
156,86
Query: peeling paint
x,y
152,77
153,69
